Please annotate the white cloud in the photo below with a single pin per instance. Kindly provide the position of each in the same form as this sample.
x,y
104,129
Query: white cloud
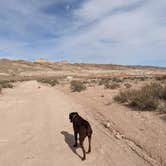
x,y
96,9
121,36
116,31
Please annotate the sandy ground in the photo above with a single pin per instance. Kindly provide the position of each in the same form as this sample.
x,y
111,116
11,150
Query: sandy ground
x,y
35,131
144,132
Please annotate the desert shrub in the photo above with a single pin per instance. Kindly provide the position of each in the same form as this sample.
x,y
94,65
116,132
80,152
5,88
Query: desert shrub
x,y
117,79
143,102
94,81
131,78
163,93
5,84
162,107
103,81
142,78
146,98
123,96
111,85
154,90
161,78
51,82
127,85
77,86
85,82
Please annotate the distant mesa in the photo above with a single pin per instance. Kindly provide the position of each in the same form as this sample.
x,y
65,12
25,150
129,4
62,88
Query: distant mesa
x,y
63,62
42,60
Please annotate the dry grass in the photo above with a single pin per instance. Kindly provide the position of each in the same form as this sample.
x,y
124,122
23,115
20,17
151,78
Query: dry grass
x,y
162,107
51,82
5,84
111,86
146,98
127,85
77,86
117,79
104,81
161,78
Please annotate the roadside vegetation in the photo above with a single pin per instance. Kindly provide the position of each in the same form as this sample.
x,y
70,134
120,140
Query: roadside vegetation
x,y
49,81
149,98
111,85
127,85
104,81
77,86
161,78
5,84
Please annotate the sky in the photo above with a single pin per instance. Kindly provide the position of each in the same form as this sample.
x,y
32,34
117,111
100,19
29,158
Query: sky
x,y
129,32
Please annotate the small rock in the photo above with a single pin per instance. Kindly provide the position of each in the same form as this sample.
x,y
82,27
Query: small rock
x,y
69,78
107,103
102,95
118,136
107,125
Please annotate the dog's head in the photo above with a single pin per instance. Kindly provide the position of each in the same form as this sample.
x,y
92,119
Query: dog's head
x,y
72,115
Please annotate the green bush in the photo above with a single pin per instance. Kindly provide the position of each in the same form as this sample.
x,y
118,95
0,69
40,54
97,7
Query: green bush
x,y
77,86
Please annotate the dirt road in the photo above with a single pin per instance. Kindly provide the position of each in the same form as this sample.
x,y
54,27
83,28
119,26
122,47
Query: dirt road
x,y
35,131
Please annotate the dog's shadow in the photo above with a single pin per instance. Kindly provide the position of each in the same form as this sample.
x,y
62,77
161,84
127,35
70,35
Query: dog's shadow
x,y
69,139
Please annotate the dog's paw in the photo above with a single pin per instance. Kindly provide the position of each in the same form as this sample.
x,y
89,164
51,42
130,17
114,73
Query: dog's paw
x,y
88,152
83,159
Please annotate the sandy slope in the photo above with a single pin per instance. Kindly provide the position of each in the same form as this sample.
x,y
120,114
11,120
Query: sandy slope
x,y
35,131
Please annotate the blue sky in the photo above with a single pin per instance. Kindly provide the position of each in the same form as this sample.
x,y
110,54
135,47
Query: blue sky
x,y
92,31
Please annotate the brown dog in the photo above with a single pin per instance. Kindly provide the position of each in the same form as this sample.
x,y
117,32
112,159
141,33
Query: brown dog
x,y
83,128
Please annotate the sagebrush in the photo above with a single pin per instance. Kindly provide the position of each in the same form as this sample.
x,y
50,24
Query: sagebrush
x,y
146,98
77,86
111,85
5,84
51,82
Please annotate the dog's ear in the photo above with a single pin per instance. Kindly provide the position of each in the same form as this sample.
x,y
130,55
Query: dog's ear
x,y
71,116
75,113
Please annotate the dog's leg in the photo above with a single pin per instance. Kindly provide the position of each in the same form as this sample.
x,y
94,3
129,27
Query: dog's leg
x,y
75,135
83,150
89,139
